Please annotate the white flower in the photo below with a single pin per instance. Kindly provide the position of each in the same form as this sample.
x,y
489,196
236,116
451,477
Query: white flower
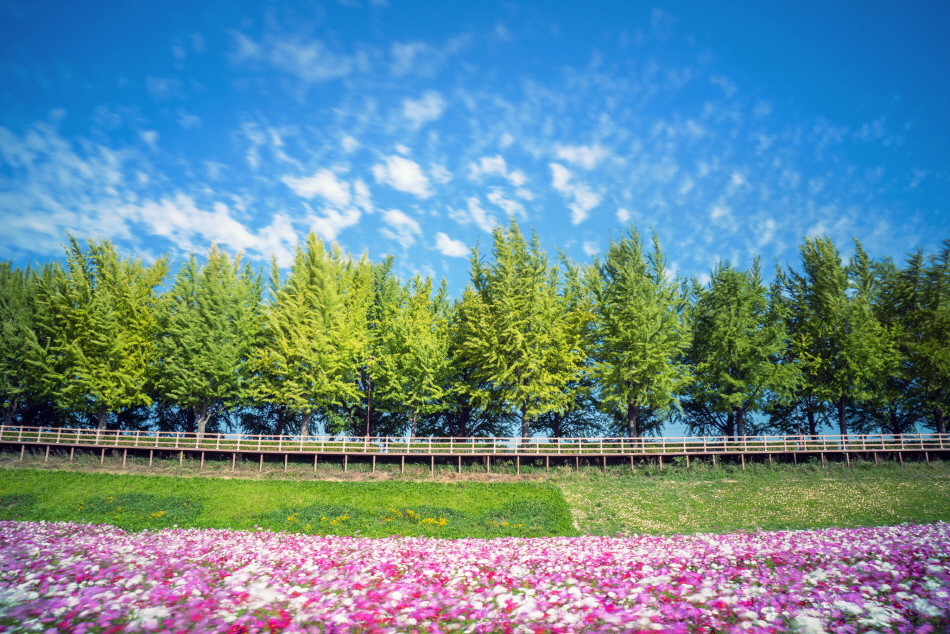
x,y
807,624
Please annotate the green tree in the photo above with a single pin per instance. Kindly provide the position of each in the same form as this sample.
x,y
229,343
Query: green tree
x,y
640,333
842,349
209,322
314,335
919,300
738,348
17,336
518,335
98,316
413,356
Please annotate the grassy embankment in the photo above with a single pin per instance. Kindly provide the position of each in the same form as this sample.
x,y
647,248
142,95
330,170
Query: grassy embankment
x,y
779,498
675,500
371,509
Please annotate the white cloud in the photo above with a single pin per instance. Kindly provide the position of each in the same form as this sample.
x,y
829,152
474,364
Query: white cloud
x,y
474,214
345,203
917,176
449,247
591,248
420,111
330,222
323,183
349,143
150,137
165,88
440,174
584,199
586,156
623,215
495,166
420,58
410,57
309,60
403,174
400,227
511,207
187,120
491,165
192,228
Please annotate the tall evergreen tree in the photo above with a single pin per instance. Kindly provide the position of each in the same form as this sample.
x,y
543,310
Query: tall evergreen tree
x,y
413,359
640,332
209,322
99,319
314,334
517,335
17,336
738,348
841,347
920,301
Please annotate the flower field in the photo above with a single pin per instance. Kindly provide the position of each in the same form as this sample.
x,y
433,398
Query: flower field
x,y
62,577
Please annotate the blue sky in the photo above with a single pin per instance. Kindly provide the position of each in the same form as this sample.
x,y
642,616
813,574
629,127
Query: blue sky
x,y
413,128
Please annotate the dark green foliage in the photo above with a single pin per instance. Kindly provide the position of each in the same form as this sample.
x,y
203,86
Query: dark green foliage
x,y
530,347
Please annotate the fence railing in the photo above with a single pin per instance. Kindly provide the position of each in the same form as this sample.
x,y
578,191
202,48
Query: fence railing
x,y
486,446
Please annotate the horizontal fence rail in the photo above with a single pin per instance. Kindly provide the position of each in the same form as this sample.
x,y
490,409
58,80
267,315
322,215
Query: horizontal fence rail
x,y
184,441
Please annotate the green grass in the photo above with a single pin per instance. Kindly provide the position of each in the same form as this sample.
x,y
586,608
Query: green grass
x,y
370,509
676,499
703,499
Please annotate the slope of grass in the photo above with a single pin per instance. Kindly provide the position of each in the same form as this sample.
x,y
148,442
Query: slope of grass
x,y
465,509
721,500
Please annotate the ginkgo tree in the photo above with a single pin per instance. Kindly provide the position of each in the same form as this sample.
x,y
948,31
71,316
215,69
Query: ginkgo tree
x,y
640,332
314,336
518,336
98,314
413,358
209,322
738,350
17,316
842,349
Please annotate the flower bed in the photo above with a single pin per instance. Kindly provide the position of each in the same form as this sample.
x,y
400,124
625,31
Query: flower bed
x,y
93,578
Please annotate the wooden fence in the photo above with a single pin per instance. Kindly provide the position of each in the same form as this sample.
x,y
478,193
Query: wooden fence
x,y
497,446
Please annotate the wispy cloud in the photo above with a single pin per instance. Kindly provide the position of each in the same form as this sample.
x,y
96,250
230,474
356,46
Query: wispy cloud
x,y
495,166
583,199
400,227
427,108
310,60
403,174
449,247
586,156
323,183
475,214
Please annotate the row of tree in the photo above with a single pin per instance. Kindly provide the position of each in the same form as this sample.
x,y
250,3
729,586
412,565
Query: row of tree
x,y
339,344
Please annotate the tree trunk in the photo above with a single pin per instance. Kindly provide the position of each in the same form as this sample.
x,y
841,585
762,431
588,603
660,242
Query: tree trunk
x,y
812,423
281,420
895,423
730,425
412,424
633,420
939,421
740,422
525,423
465,422
102,419
305,418
202,417
842,421
10,411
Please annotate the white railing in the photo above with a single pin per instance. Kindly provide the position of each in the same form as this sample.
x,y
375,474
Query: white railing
x,y
486,446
